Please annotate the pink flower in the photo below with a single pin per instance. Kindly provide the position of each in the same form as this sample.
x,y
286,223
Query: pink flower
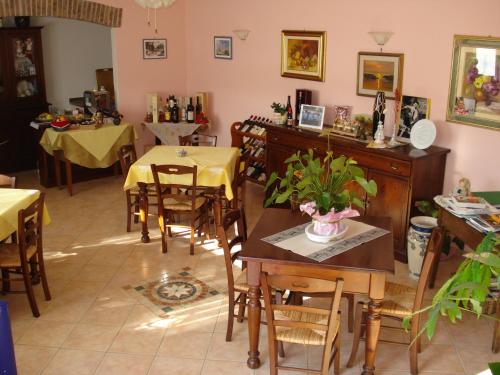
x,y
309,208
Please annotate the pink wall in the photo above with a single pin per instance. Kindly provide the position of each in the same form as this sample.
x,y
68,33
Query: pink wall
x,y
134,77
423,30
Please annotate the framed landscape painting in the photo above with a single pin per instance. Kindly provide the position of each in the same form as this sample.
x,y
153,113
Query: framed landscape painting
x,y
223,47
379,72
154,49
303,54
474,97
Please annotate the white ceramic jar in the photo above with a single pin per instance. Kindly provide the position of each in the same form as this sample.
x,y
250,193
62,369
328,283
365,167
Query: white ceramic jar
x,y
418,237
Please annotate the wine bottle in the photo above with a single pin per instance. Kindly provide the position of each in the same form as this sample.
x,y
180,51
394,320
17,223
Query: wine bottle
x,y
190,111
175,112
198,108
182,105
289,110
168,110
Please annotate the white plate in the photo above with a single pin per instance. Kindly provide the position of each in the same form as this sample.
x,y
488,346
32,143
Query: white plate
x,y
322,238
423,134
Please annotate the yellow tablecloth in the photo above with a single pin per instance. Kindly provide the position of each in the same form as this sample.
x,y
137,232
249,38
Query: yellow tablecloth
x,y
92,148
13,200
215,166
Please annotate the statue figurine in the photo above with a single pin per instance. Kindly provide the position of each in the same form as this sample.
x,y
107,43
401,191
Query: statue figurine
x,y
463,188
379,138
378,110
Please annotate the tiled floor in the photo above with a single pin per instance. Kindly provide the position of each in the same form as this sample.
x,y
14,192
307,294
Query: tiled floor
x,y
92,326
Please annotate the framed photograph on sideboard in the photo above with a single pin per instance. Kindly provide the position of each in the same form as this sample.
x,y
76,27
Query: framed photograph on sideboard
x,y
379,71
413,109
303,54
474,97
311,117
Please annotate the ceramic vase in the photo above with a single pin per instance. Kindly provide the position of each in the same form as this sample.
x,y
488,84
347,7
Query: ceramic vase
x,y
418,236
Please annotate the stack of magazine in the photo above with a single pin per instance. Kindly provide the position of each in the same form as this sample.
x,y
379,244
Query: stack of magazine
x,y
478,213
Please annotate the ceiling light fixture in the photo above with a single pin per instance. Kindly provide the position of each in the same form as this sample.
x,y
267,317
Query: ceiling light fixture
x,y
242,34
154,4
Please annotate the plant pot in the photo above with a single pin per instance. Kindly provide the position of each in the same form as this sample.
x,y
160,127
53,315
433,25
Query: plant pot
x,y
279,119
325,232
418,236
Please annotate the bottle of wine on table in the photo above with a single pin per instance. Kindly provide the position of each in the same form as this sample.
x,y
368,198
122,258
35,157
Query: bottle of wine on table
x,y
190,111
289,111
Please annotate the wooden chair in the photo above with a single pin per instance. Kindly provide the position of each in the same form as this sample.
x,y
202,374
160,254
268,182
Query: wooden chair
x,y
237,288
198,140
399,302
26,256
179,199
301,324
7,181
128,156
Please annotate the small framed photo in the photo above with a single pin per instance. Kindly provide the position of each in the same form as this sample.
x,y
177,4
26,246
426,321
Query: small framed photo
x,y
379,72
311,116
154,49
413,109
223,47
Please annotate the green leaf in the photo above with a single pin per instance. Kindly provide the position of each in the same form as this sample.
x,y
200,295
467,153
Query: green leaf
x,y
476,307
358,202
271,199
370,187
294,157
304,182
337,164
495,368
406,322
431,323
271,180
283,197
490,259
356,171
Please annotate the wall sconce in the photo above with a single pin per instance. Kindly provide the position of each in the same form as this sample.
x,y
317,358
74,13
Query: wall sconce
x,y
242,34
381,37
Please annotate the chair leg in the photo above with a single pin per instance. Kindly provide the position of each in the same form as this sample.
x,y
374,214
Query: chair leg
x,y
230,316
413,359
336,365
43,275
350,312
207,224
171,220
163,229
357,334
129,213
241,308
29,291
5,281
137,209
273,358
69,177
191,240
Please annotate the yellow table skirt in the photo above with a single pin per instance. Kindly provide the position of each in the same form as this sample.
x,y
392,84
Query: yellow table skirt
x,y
215,166
13,200
93,148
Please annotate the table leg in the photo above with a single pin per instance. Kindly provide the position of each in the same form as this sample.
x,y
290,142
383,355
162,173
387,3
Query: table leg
x,y
377,285
436,250
57,167
69,176
254,312
144,206
218,207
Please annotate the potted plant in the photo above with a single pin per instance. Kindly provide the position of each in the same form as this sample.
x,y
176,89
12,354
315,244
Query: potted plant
x,y
467,290
321,188
279,111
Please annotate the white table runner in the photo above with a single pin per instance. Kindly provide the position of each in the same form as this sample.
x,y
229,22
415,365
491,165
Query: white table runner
x,y
295,240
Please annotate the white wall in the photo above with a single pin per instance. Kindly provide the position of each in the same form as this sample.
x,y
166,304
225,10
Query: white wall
x,y
72,51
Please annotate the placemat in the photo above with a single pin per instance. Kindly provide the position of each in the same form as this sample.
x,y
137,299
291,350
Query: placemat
x,y
295,240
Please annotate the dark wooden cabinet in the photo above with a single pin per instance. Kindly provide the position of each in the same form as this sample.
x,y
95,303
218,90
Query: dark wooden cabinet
x,y
403,175
22,97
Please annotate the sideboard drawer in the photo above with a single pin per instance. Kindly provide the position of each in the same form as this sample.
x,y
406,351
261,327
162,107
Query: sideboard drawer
x,y
319,145
381,163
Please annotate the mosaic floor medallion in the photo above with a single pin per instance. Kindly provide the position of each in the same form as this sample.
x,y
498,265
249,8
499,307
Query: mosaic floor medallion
x,y
174,292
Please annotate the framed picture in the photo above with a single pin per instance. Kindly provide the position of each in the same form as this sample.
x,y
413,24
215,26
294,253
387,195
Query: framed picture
x,y
379,72
303,54
474,97
413,109
311,116
223,47
154,49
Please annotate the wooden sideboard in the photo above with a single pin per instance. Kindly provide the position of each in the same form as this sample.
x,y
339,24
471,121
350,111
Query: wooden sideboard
x,y
403,175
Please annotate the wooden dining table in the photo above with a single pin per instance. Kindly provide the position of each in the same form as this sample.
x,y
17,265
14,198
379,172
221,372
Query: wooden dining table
x,y
13,200
363,269
215,169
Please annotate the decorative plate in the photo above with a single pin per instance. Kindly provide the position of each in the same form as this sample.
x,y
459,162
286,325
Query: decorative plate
x,y
423,134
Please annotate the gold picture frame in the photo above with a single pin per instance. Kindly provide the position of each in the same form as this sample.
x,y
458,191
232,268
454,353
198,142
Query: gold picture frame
x,y
474,94
303,54
379,71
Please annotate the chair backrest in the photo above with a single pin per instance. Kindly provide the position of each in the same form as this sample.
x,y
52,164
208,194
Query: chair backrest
x,y
305,285
435,242
198,140
7,181
230,218
173,191
29,226
127,156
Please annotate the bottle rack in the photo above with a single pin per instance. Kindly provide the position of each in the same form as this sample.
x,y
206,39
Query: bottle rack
x,y
250,137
